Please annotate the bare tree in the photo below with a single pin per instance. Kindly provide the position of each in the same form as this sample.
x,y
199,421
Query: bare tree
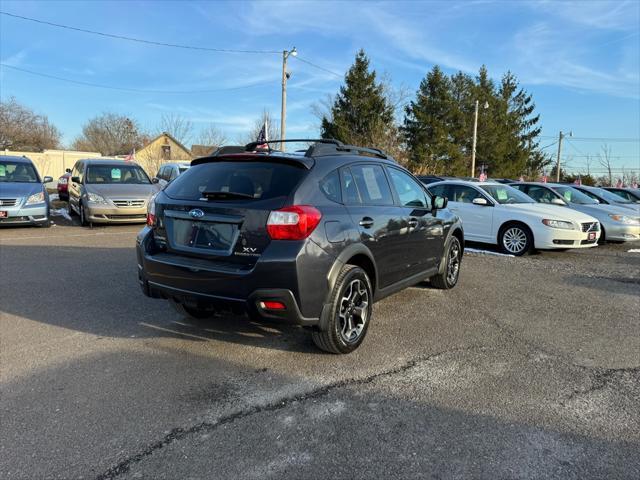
x,y
273,129
178,127
604,159
211,135
110,134
23,129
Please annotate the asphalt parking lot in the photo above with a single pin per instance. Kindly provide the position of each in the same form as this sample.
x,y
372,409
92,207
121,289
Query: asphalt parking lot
x,y
529,368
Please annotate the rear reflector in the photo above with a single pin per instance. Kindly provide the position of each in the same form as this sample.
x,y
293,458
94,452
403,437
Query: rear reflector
x,y
293,223
272,305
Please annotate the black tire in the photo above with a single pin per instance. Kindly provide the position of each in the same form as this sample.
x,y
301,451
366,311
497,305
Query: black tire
x,y
70,210
449,278
603,238
191,312
46,224
83,220
515,239
350,312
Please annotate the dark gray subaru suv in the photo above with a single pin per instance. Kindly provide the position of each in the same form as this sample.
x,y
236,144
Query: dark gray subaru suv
x,y
313,238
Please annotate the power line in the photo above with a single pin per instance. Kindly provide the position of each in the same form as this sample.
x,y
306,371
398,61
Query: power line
x,y
129,89
318,67
599,139
139,40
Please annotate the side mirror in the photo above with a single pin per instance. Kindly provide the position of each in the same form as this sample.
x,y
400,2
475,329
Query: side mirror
x,y
440,202
47,179
480,201
155,180
558,201
75,179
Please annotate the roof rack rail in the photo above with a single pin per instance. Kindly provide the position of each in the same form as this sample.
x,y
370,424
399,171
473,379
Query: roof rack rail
x,y
321,146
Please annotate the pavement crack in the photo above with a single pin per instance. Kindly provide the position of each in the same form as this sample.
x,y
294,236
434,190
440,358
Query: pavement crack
x,y
600,379
180,433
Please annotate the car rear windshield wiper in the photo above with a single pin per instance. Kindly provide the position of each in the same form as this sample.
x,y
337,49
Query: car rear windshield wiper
x,y
225,195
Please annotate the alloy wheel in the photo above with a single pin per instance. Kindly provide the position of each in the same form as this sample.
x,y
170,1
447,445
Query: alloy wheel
x,y
453,264
353,311
514,240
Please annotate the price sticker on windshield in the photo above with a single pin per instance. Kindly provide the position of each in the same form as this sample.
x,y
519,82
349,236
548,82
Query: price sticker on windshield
x,y
3,171
116,173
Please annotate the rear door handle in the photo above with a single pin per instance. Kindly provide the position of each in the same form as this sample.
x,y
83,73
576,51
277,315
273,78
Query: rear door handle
x,y
366,222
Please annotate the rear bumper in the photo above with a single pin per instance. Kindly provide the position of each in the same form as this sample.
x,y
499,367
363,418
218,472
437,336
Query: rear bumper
x,y
24,215
274,278
107,214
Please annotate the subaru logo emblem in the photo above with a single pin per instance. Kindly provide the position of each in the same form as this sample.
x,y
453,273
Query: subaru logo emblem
x,y
196,213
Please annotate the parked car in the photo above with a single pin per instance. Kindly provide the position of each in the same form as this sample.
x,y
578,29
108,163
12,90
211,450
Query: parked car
x,y
608,198
63,185
497,214
23,198
631,194
310,239
169,171
108,190
427,179
617,223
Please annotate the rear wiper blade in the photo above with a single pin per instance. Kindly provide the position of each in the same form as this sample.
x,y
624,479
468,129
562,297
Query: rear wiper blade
x,y
225,195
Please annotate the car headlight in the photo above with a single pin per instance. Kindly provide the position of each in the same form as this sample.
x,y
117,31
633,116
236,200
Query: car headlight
x,y
95,198
36,198
559,224
624,219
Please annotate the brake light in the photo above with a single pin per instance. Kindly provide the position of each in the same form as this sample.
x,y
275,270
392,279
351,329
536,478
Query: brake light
x,y
151,219
151,210
293,223
272,305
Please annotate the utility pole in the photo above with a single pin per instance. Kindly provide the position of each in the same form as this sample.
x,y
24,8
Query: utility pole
x,y
283,110
475,135
560,137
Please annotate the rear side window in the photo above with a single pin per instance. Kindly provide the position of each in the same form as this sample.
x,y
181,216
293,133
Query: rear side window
x,y
411,194
259,180
462,194
330,186
372,184
439,190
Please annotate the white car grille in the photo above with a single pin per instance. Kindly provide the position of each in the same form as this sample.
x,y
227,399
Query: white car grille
x,y
8,202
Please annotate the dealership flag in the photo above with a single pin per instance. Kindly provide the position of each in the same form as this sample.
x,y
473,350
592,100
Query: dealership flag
x,y
577,181
634,185
483,177
521,179
263,136
544,176
131,157
619,184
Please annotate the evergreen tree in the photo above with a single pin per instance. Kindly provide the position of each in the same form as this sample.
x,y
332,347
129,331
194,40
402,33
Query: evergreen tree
x,y
361,113
428,125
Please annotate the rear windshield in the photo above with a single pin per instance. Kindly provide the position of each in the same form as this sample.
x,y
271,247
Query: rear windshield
x,y
258,180
19,172
126,174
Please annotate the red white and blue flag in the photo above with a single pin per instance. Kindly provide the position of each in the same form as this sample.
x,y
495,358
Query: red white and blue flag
x,y
578,181
544,176
131,157
263,136
619,184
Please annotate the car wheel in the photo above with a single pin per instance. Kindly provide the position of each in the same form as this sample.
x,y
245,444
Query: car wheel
x,y
515,239
191,312
70,210
350,312
449,278
83,219
603,238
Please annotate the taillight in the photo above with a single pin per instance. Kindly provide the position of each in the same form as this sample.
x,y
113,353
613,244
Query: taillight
x,y
151,210
293,223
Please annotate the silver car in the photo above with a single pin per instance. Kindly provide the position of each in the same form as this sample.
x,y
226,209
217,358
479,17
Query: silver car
x,y
607,198
617,223
109,191
169,171
23,198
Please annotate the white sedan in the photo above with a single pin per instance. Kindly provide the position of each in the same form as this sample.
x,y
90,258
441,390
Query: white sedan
x,y
502,215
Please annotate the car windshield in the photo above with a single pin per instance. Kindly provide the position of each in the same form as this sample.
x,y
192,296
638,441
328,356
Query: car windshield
x,y
572,195
611,197
504,194
116,174
18,172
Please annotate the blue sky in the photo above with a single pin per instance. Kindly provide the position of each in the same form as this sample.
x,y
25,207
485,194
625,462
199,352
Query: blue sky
x,y
580,60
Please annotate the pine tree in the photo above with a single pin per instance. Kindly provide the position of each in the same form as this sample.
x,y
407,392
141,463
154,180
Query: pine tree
x,y
428,125
361,113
